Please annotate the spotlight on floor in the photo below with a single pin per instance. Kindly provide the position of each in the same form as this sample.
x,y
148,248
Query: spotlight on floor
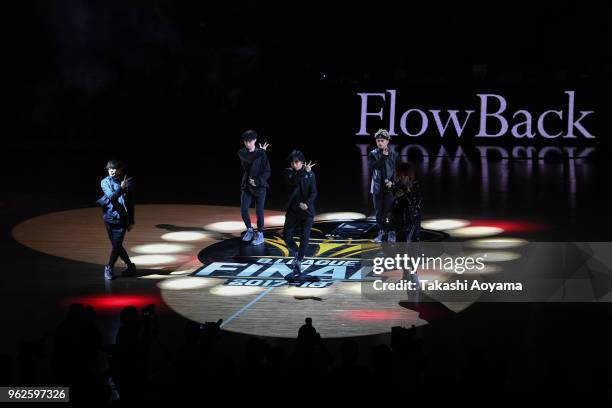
x,y
226,226
157,260
185,236
275,220
154,276
159,249
305,292
475,231
496,256
226,290
443,224
185,283
340,216
496,243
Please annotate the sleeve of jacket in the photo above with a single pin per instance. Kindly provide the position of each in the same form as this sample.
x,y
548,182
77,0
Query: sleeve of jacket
x,y
242,160
312,195
375,163
109,194
130,204
262,180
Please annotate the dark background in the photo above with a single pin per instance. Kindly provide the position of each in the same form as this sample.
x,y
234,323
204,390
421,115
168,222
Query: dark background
x,y
169,87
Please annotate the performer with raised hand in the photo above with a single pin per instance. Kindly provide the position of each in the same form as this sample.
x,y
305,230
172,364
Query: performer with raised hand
x,y
256,171
118,212
300,213
382,162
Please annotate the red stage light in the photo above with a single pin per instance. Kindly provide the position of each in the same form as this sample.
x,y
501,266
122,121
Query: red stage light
x,y
115,302
373,315
508,225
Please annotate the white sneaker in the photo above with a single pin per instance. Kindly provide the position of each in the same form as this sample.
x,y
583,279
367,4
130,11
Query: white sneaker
x,y
248,235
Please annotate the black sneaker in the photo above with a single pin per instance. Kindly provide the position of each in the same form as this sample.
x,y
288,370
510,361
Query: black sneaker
x,y
296,266
295,270
130,270
108,273
293,251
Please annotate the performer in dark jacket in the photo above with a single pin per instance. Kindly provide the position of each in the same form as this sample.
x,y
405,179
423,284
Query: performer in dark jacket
x,y
300,213
118,212
406,209
256,171
382,162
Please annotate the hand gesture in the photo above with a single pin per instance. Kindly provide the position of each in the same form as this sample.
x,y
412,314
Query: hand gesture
x,y
303,206
264,146
385,151
252,182
126,182
389,183
309,166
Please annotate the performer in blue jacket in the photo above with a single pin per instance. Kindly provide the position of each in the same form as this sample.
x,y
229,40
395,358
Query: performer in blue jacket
x,y
118,213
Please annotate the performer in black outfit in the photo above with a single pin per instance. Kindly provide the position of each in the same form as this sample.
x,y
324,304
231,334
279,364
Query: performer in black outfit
x,y
118,212
256,171
406,208
302,185
382,162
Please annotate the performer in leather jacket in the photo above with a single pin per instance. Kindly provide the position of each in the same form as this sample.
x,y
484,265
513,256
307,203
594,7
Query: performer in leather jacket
x,y
118,213
256,171
300,213
382,162
406,208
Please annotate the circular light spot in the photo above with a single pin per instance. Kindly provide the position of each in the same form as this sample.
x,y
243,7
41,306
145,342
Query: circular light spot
x,y
184,236
340,216
475,231
183,272
434,274
155,260
154,276
444,224
350,287
496,256
227,290
185,283
226,226
293,291
275,220
496,243
161,248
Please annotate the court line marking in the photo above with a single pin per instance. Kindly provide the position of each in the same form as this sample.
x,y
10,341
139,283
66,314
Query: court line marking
x,y
245,307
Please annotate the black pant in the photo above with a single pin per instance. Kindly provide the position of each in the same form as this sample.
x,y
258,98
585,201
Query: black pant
x,y
246,198
382,205
116,234
297,219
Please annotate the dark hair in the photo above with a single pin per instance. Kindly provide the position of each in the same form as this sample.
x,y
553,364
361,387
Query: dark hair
x,y
296,155
404,169
115,164
249,135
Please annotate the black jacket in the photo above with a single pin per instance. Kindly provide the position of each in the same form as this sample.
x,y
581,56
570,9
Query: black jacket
x,y
407,195
376,162
258,169
302,189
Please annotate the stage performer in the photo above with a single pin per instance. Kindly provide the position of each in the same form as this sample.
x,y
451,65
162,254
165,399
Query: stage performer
x,y
381,162
406,208
256,171
300,213
118,213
